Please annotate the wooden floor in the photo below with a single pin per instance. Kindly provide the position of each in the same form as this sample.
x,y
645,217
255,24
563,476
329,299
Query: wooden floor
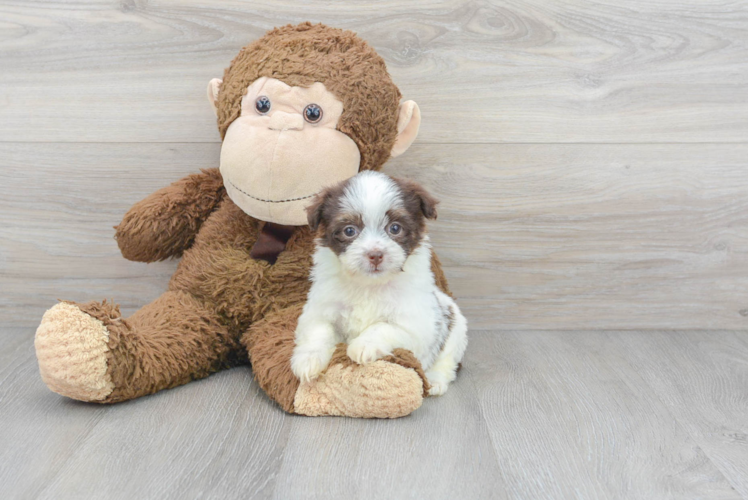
x,y
591,158
533,414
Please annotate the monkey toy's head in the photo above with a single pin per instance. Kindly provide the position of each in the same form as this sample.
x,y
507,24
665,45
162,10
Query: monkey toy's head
x,y
302,108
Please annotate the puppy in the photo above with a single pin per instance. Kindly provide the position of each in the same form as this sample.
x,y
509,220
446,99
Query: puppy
x,y
372,284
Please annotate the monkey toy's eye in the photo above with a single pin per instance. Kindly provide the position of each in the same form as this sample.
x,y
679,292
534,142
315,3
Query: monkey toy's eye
x,y
262,105
350,231
312,113
395,228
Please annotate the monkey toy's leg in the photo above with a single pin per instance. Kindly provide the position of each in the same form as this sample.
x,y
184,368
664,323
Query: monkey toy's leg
x,y
388,388
90,353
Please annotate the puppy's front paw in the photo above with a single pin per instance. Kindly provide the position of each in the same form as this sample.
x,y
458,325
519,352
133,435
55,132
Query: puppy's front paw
x,y
437,388
307,364
439,380
366,352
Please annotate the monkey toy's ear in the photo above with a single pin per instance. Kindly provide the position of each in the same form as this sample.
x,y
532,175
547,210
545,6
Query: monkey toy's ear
x,y
408,121
213,87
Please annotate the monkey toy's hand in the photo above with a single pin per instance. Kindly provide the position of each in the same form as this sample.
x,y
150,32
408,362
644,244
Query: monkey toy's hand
x,y
165,223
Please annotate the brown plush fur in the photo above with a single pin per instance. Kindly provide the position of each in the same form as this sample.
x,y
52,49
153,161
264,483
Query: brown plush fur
x,y
222,304
303,54
220,271
169,342
401,357
165,224
270,343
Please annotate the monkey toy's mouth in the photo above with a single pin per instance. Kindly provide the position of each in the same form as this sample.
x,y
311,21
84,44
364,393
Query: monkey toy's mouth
x,y
289,211
289,200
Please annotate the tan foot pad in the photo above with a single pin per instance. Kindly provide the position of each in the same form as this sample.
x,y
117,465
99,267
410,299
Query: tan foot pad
x,y
377,390
71,348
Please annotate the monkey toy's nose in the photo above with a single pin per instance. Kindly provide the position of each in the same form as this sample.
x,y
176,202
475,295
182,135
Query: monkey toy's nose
x,y
375,257
280,120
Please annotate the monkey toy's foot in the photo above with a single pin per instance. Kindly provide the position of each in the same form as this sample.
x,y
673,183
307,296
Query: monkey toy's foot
x,y
72,349
391,387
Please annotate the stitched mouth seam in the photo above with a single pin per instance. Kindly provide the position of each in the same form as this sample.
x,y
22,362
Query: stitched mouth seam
x,y
269,201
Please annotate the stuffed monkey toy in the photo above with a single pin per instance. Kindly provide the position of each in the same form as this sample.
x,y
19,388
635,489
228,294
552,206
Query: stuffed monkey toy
x,y
299,109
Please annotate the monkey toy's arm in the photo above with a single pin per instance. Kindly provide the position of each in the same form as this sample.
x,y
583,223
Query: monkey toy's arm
x,y
165,223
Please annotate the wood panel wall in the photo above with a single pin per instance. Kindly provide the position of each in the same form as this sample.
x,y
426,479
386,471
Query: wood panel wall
x,y
591,157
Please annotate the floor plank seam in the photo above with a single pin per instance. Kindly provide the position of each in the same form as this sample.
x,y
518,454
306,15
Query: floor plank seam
x,y
466,371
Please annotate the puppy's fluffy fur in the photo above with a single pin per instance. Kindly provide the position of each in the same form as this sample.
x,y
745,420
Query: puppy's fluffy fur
x,y
372,285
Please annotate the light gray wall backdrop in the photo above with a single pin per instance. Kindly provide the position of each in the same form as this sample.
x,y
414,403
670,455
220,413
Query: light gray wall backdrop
x,y
591,158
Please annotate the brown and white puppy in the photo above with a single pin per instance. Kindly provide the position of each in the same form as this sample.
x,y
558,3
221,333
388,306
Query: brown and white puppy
x,y
372,284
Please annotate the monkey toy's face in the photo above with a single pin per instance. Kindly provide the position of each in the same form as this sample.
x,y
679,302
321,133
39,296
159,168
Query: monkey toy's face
x,y
285,147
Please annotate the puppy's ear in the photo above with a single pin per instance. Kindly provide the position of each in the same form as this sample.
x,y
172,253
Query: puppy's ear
x,y
428,203
414,193
315,211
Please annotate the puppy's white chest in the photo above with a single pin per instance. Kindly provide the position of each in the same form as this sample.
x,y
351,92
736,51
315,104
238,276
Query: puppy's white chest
x,y
360,312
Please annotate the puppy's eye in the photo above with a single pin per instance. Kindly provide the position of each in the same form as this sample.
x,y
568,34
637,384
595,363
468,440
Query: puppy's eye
x,y
350,231
395,228
312,113
262,105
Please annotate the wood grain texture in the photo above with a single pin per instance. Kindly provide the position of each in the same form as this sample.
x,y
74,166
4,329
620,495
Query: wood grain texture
x,y
39,430
592,163
532,236
216,438
443,450
585,415
546,395
703,378
519,71
592,236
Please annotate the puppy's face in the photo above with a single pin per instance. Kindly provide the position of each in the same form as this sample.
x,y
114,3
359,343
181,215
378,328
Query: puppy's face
x,y
372,222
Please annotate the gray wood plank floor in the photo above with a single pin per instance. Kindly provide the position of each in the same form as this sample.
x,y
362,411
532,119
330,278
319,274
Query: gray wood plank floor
x,y
586,415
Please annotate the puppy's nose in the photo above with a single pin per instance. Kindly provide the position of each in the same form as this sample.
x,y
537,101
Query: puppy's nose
x,y
280,120
375,257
